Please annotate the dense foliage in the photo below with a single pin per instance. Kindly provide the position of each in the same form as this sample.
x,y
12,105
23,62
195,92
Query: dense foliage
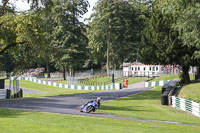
x,y
166,38
51,34
114,32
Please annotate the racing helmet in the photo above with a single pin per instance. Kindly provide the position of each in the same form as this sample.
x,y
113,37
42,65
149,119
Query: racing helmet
x,y
98,99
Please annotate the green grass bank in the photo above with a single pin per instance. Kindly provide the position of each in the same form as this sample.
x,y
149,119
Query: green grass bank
x,y
147,105
131,80
17,121
191,92
48,90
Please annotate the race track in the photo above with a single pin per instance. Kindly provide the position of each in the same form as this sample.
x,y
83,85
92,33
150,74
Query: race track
x,y
68,104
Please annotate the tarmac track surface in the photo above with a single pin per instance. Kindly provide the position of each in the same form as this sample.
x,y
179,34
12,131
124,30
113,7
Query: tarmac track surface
x,y
70,104
67,104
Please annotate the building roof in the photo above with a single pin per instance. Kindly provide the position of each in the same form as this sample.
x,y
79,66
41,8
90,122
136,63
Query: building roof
x,y
138,64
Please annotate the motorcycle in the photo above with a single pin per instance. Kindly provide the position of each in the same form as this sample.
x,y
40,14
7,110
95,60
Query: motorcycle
x,y
89,107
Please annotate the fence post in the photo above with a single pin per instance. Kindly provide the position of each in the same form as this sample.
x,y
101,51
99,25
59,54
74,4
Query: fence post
x,y
113,78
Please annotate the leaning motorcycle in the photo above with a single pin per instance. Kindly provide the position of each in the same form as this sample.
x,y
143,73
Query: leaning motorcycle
x,y
89,107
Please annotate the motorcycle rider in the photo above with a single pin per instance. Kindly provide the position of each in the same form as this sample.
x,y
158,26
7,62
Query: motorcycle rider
x,y
98,103
98,100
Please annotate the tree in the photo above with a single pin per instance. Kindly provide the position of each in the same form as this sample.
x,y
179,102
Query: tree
x,y
163,45
22,34
187,23
68,38
114,32
6,8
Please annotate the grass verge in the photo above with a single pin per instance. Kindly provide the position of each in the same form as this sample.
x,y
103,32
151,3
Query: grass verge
x,y
147,105
131,80
17,121
171,76
49,90
191,92
166,77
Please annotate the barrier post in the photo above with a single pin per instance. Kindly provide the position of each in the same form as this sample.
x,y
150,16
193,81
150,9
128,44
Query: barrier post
x,y
127,83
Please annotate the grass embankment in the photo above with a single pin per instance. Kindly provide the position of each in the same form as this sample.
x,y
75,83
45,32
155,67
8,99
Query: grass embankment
x,y
191,92
15,121
89,81
171,76
166,77
98,79
147,105
55,91
101,79
49,90
131,80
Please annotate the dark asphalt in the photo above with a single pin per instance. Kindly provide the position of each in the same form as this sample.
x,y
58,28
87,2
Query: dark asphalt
x,y
70,104
67,104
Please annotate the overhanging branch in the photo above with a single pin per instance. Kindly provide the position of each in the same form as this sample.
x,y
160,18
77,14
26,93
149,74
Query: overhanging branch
x,y
3,49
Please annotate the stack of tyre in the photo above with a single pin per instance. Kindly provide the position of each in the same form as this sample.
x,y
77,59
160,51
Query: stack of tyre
x,y
166,90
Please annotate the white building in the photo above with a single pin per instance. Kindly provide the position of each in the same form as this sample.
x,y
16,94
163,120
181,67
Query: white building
x,y
137,69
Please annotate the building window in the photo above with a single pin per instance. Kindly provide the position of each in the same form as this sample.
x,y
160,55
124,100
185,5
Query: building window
x,y
156,68
144,68
135,68
138,68
153,68
132,68
149,68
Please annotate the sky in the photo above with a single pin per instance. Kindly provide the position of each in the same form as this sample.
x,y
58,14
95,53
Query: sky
x,y
23,5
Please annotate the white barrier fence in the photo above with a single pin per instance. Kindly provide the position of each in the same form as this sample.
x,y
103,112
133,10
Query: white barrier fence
x,y
186,105
155,83
180,103
69,86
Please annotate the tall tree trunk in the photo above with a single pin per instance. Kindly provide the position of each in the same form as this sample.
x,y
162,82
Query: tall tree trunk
x,y
64,71
71,72
48,71
108,50
185,77
108,47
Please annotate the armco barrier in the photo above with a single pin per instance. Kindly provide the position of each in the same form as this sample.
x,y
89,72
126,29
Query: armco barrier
x,y
76,87
186,105
155,83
